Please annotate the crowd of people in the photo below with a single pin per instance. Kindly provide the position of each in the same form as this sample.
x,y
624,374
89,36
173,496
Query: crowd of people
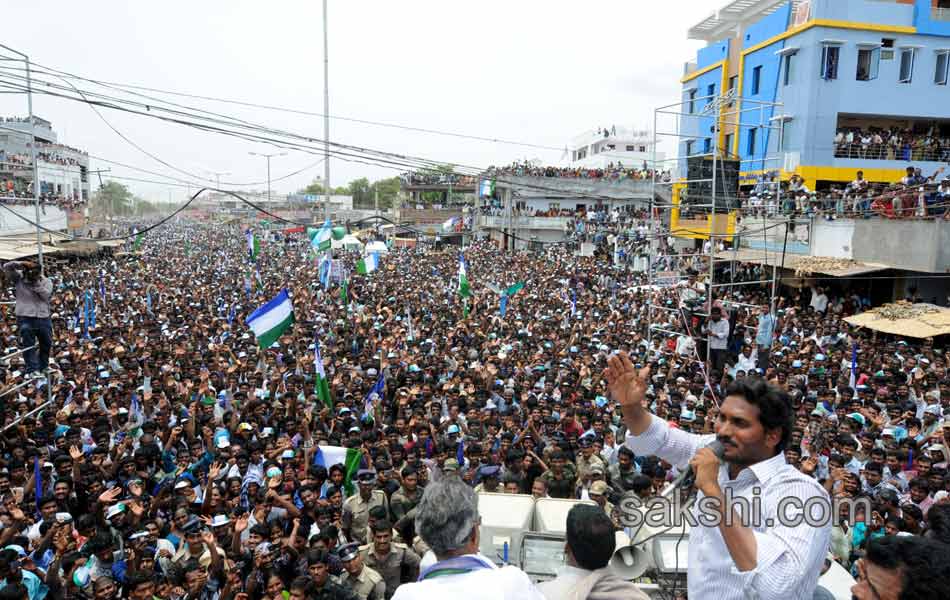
x,y
613,172
915,196
417,178
892,143
180,460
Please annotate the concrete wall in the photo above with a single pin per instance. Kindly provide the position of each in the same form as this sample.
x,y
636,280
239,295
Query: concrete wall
x,y
832,238
553,187
11,224
913,245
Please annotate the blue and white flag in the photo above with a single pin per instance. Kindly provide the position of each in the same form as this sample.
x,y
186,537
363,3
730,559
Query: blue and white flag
x,y
326,267
377,391
573,303
135,409
852,380
504,305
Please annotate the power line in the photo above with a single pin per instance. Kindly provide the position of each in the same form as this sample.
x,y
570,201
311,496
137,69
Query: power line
x,y
127,87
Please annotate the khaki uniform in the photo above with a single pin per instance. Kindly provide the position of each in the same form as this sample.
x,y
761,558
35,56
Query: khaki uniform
x,y
585,464
480,489
368,585
400,559
356,513
402,502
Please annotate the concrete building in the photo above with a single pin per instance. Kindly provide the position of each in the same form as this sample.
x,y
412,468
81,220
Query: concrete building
x,y
862,67
63,170
599,148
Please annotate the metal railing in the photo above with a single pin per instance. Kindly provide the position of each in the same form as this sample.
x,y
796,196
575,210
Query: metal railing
x,y
887,152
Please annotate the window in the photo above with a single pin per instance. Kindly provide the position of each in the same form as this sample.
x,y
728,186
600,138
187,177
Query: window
x,y
940,74
728,143
692,101
829,62
787,61
907,65
707,145
710,92
689,148
643,148
869,62
733,82
785,131
756,80
631,148
750,146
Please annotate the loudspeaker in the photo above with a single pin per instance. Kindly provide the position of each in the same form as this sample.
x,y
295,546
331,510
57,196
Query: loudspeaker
x,y
630,562
699,187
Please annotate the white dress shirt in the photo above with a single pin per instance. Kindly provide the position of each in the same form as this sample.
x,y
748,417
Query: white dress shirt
x,y
494,583
789,559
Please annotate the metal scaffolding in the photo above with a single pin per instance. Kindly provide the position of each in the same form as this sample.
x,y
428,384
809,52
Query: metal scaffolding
x,y
717,122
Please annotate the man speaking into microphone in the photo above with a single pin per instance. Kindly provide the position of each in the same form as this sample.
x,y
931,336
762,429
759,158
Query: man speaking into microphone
x,y
778,555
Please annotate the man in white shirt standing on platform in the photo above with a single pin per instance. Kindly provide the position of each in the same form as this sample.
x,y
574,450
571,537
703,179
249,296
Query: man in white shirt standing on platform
x,y
770,557
718,330
447,520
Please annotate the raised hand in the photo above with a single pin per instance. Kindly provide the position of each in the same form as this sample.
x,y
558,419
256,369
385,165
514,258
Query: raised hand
x,y
627,385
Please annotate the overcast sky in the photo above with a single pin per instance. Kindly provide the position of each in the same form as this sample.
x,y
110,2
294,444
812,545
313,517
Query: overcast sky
x,y
532,71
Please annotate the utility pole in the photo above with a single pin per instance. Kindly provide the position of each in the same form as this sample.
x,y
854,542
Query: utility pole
x,y
268,157
326,116
376,201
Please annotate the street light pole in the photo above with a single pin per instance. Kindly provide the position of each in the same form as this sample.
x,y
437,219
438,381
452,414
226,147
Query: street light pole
x,y
326,117
268,157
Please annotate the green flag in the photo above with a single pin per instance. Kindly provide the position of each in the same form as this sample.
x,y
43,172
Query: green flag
x,y
352,464
343,293
515,289
139,238
323,388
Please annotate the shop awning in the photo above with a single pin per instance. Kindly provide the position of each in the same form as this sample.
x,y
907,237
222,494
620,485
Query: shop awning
x,y
919,320
802,264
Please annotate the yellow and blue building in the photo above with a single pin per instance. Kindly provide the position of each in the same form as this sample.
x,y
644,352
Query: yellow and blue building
x,y
825,65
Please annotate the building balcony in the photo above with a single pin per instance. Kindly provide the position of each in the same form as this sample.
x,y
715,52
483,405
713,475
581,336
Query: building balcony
x,y
913,244
620,188
16,220
538,223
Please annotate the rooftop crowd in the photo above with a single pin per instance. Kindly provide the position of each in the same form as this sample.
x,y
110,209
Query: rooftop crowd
x,y
892,143
613,172
914,196
178,460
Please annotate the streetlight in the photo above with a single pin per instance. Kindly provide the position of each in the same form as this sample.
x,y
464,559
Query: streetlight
x,y
268,157
218,174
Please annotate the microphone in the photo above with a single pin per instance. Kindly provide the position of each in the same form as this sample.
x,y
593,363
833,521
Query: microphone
x,y
687,477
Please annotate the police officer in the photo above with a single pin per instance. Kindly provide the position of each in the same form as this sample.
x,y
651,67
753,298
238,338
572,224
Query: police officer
x,y
365,582
489,480
356,508
324,588
408,495
587,458
396,562
622,473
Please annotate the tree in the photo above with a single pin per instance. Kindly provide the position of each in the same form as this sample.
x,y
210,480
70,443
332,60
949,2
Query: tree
x,y
114,199
360,190
317,189
388,191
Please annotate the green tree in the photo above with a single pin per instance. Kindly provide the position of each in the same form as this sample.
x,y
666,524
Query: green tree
x,y
114,199
388,191
360,190
317,189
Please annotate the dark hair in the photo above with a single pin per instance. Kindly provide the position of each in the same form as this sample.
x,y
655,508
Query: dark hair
x,y
382,526
875,467
14,591
938,519
640,484
590,536
923,565
303,583
775,409
317,555
137,578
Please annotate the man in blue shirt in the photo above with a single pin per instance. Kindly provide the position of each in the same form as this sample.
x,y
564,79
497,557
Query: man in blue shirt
x,y
765,333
